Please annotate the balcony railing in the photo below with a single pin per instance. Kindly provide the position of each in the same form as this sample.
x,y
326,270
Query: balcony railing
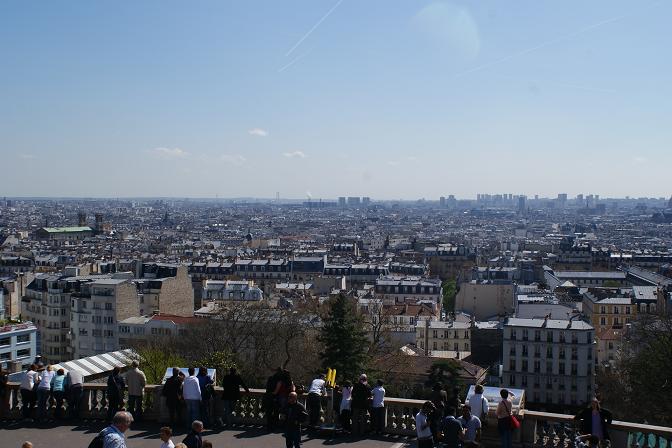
x,y
538,429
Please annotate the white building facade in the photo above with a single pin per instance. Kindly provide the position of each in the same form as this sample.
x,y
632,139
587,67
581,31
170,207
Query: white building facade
x,y
551,359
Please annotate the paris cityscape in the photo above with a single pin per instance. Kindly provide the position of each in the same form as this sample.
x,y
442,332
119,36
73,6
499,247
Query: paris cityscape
x,y
385,224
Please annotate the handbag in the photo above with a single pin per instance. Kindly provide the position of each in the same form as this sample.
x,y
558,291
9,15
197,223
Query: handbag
x,y
513,421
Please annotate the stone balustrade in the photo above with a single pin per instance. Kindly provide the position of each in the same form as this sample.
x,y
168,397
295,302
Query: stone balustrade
x,y
538,429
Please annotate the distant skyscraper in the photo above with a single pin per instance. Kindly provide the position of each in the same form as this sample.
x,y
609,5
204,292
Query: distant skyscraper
x,y
341,201
366,200
442,201
522,204
354,200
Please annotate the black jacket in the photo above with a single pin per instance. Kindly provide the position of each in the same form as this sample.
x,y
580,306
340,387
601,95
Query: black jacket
x,y
172,390
585,419
231,385
360,395
193,440
296,414
115,387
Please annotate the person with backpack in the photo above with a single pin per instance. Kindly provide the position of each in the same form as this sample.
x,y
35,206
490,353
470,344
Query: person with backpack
x,y
114,435
115,392
231,384
295,415
479,405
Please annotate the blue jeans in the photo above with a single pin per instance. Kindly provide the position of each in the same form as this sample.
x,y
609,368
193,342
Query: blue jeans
x,y
193,408
293,437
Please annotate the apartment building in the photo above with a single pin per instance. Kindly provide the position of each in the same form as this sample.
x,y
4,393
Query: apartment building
x,y
47,304
485,299
231,291
18,345
168,295
139,329
551,359
436,337
394,290
96,310
450,261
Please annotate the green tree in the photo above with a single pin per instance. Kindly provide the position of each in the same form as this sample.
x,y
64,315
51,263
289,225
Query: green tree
x,y
344,340
445,372
220,360
449,293
640,378
155,360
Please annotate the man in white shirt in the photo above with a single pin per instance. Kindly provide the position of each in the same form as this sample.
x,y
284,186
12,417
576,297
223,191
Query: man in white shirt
x,y
378,405
422,426
479,404
317,390
472,426
191,391
28,395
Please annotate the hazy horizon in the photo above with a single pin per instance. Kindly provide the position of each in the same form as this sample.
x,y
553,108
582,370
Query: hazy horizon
x,y
329,98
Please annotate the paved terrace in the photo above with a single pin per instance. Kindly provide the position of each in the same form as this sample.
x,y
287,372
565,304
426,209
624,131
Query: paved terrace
x,y
538,429
147,436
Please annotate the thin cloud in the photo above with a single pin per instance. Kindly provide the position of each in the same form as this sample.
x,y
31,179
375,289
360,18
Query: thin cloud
x,y
640,159
170,153
547,43
258,132
393,162
26,156
233,159
310,31
294,61
293,154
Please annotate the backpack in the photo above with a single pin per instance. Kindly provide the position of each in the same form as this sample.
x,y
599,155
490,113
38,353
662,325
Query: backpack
x,y
97,441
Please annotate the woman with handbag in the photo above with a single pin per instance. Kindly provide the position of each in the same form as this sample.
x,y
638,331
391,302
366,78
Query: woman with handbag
x,y
505,419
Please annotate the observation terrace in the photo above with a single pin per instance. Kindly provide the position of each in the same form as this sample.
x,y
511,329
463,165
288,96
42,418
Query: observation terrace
x,y
538,429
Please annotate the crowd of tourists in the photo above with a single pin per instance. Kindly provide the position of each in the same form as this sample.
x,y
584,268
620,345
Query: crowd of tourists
x,y
358,407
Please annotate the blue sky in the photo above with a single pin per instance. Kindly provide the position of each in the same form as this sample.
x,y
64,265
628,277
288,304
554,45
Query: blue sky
x,y
388,99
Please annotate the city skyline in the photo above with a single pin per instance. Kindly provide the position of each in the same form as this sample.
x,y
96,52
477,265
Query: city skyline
x,y
334,98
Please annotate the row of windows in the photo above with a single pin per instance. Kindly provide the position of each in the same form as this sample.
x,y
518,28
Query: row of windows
x,y
18,339
539,336
7,356
548,353
535,367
